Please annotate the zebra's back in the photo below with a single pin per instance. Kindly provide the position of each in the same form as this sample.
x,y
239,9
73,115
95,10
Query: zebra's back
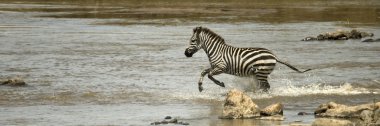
x,y
250,61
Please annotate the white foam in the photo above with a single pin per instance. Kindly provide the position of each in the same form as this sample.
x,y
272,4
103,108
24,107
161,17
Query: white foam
x,y
311,89
288,89
209,94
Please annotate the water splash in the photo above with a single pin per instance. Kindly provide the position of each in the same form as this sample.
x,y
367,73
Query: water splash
x,y
312,89
289,89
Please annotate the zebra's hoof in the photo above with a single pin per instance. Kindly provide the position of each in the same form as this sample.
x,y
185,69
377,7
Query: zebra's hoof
x,y
265,90
221,84
200,88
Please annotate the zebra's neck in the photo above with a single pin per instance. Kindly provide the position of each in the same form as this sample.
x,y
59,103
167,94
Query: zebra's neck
x,y
214,46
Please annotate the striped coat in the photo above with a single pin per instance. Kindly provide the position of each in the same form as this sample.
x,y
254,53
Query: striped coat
x,y
224,58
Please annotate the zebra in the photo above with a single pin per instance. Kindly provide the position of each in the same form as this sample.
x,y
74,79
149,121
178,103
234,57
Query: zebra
x,y
224,58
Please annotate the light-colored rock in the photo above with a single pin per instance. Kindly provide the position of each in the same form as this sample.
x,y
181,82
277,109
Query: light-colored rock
x,y
332,122
239,105
376,116
274,109
333,109
367,114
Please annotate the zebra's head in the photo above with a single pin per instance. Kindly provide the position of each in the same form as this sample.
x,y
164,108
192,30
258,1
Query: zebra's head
x,y
195,43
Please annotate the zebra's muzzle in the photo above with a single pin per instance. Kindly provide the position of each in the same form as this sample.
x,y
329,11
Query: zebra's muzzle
x,y
189,53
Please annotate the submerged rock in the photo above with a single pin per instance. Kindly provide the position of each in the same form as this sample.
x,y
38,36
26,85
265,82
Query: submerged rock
x,y
13,81
185,123
371,40
173,121
155,123
169,120
168,117
239,105
272,118
339,35
305,113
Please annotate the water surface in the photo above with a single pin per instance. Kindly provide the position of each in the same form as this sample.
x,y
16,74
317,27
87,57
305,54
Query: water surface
x,y
122,62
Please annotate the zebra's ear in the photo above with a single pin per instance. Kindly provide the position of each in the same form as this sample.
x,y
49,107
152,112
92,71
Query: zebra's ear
x,y
197,28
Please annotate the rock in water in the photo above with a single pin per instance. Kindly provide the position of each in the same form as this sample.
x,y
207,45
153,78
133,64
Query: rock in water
x,y
14,81
371,40
368,113
273,118
339,35
173,121
366,116
274,109
239,105
333,109
169,120
376,116
305,113
155,123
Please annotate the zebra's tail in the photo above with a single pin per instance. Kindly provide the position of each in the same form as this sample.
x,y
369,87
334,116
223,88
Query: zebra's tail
x,y
292,67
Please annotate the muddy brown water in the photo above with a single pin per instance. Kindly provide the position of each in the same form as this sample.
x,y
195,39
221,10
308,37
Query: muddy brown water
x,y
93,62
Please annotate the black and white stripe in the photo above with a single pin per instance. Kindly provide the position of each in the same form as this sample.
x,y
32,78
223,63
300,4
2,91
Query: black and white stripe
x,y
224,58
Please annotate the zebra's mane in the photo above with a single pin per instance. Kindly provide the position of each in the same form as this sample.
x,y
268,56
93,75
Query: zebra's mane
x,y
212,34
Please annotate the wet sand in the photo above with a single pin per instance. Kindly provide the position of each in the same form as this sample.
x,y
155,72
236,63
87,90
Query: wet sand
x,y
122,63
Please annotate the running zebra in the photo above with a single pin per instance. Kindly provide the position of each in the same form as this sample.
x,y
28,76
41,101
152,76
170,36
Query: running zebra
x,y
225,58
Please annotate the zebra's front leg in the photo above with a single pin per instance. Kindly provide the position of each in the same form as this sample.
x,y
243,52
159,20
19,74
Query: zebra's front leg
x,y
203,74
213,72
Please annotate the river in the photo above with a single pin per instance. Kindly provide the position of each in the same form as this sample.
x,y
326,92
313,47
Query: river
x,y
116,62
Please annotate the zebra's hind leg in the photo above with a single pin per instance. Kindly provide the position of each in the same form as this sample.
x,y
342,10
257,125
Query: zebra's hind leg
x,y
263,83
262,79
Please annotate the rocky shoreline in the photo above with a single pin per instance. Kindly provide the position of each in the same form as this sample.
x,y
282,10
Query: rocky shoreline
x,y
238,105
340,35
369,114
